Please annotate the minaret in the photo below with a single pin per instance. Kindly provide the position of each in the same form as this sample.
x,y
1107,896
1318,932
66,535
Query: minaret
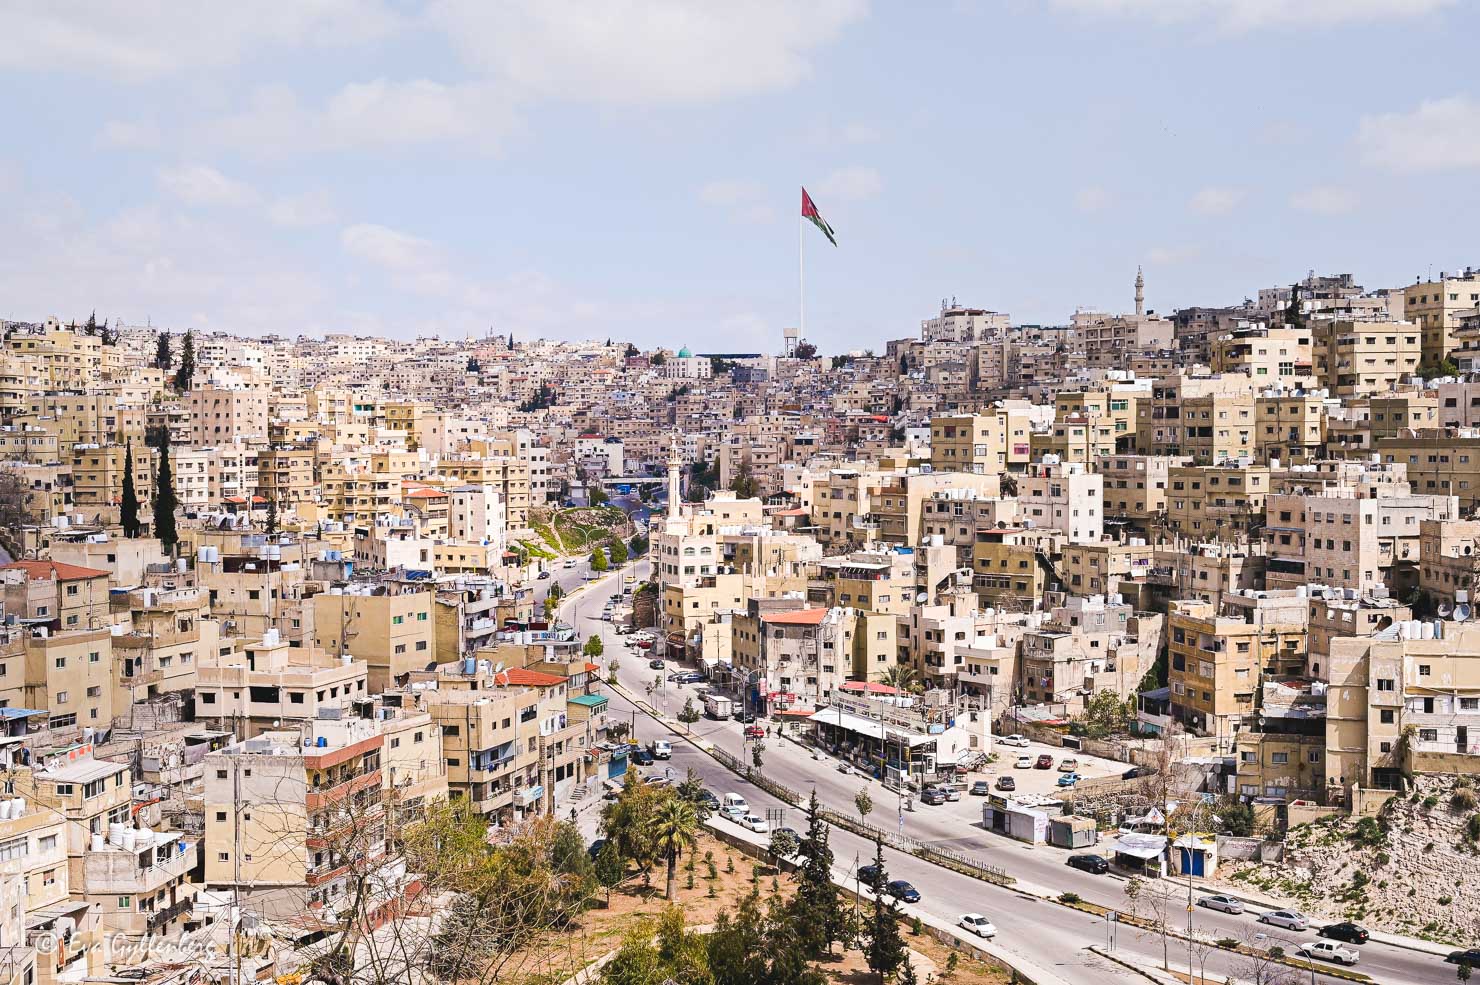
x,y
674,464
1140,292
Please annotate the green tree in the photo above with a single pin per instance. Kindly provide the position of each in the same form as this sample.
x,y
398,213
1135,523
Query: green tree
x,y
904,678
594,647
691,789
186,372
165,502
1237,818
863,804
91,328
163,358
618,552
688,714
272,515
885,949
1105,714
675,831
473,365
805,350
817,910
629,820
610,868
738,945
598,560
744,485
128,510
784,844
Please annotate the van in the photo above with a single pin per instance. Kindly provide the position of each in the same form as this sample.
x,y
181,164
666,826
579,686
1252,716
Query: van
x,y
734,806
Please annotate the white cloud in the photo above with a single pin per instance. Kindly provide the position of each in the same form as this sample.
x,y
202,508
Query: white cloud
x,y
369,114
1216,200
156,38
415,264
124,135
853,184
747,202
1325,200
1441,134
1169,256
643,51
1093,198
1240,16
199,184
301,211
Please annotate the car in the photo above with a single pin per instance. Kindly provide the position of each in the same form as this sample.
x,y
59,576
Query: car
x,y
596,847
644,644
542,575
754,732
1093,864
734,806
1470,956
744,717
902,890
623,630
1068,779
1006,783
933,796
1136,772
981,787
953,792
656,780
1346,931
868,874
1068,764
755,823
687,677
1014,740
977,924
655,664
1228,904
662,749
641,757
570,562
1044,762
1023,763
1329,951
707,799
1289,919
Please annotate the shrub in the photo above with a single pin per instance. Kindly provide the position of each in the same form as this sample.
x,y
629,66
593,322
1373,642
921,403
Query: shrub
x,y
1429,802
1068,897
1445,900
1463,799
1472,827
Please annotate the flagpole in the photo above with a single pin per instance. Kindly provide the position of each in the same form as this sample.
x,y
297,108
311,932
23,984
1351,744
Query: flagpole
x,y
801,280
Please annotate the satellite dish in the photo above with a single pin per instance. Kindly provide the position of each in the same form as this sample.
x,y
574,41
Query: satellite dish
x,y
1445,609
1461,613
923,597
500,668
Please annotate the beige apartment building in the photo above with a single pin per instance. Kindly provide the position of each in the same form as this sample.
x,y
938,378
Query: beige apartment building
x,y
1290,426
1216,501
1211,419
1361,358
167,632
388,626
1449,561
1436,306
982,443
286,476
1264,354
222,413
69,644
265,684
1440,461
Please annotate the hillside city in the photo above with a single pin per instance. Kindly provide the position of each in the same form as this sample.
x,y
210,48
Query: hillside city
x,y
357,659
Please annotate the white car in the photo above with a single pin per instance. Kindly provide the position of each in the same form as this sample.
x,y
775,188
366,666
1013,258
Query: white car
x,y
569,563
662,750
1024,763
977,924
755,823
1329,951
1014,740
1227,904
1289,919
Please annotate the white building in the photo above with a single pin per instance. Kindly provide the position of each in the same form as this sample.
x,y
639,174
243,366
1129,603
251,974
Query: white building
x,y
1064,496
476,515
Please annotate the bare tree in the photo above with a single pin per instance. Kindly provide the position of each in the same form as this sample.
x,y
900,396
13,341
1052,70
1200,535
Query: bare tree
x,y
1150,904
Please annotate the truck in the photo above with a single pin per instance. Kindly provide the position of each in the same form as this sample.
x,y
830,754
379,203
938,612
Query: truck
x,y
718,707
1329,951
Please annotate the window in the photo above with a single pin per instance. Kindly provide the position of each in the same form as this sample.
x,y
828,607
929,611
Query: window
x,y
125,903
1279,758
1386,716
14,848
1384,683
1423,670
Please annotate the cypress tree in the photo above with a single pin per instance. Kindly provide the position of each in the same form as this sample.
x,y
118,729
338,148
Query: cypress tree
x,y
129,509
885,951
163,358
165,502
272,515
91,328
816,908
186,372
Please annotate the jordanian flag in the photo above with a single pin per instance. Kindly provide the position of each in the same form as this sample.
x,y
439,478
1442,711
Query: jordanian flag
x,y
809,211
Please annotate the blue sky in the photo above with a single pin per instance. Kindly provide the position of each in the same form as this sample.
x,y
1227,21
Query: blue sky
x,y
630,168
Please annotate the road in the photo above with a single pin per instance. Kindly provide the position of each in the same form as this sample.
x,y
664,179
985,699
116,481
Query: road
x,y
1021,920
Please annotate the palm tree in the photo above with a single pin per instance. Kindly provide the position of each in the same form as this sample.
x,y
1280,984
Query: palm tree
x,y
675,831
903,677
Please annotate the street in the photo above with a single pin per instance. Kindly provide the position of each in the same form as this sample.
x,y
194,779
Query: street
x,y
1021,921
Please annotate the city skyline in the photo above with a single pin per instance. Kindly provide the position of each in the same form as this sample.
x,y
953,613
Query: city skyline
x,y
391,169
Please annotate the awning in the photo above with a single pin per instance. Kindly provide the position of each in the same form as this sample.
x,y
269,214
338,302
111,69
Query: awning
x,y
867,726
1145,847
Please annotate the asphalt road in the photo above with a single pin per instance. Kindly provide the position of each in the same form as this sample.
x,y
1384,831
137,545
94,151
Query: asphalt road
x,y
1051,935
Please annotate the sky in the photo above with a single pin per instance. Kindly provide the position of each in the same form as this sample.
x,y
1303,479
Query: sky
x,y
631,168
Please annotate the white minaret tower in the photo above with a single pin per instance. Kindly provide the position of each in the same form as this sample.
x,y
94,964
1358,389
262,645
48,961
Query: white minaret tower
x,y
1140,292
674,464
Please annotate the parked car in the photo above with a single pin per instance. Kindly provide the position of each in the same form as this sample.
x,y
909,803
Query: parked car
x,y
933,796
977,924
644,644
623,629
755,823
1470,957
868,874
1006,783
1330,951
1289,919
734,806
1136,772
902,890
1068,764
952,791
1346,931
641,757
1228,904
1045,762
661,749
754,732
656,780
1093,864
596,847
745,717
981,787
655,664
1068,779
1023,763
1014,740
707,798
570,562
542,575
